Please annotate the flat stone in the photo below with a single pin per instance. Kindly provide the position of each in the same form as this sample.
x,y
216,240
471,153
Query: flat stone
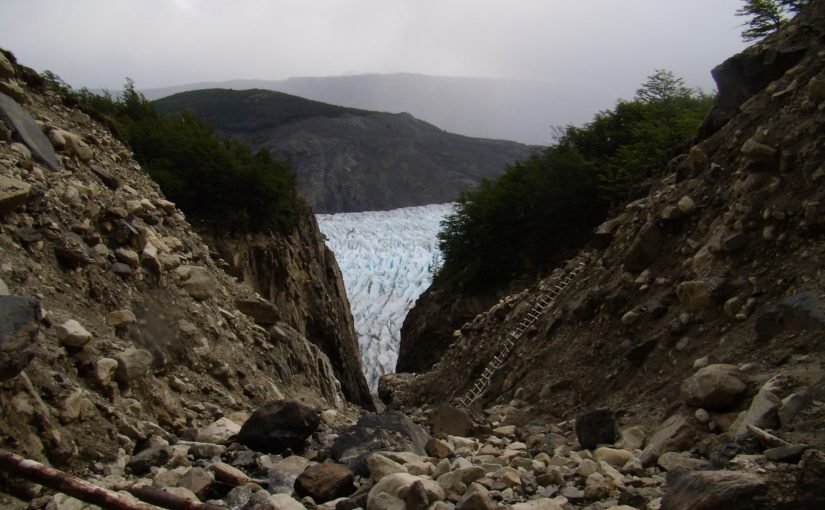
x,y
229,475
219,432
72,334
20,121
788,453
13,194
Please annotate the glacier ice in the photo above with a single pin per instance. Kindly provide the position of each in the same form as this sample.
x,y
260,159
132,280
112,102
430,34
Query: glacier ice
x,y
387,260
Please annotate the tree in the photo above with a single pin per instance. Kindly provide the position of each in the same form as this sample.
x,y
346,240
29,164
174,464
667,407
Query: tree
x,y
663,86
767,16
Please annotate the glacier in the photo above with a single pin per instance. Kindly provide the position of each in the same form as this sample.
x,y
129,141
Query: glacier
x,y
387,259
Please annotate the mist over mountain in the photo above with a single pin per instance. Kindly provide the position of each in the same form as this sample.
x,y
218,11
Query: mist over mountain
x,y
520,110
350,160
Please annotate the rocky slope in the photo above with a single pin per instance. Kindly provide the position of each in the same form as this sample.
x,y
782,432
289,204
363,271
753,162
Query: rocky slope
x,y
117,324
710,285
301,285
349,160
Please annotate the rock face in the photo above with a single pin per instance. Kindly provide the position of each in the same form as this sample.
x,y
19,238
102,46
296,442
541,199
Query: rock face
x,y
279,425
349,160
299,275
729,280
141,339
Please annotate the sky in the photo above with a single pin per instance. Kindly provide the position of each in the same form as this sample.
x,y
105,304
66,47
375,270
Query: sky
x,y
98,43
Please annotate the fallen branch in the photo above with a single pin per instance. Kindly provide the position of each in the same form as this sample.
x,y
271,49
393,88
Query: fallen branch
x,y
767,439
75,487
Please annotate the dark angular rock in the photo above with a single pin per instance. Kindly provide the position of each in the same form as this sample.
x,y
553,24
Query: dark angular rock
x,y
734,242
21,122
787,453
595,428
262,312
417,498
325,482
390,431
278,425
106,176
449,420
711,490
639,353
72,251
645,249
19,325
803,310
141,463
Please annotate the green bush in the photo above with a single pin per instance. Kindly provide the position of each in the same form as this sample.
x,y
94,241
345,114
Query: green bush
x,y
214,179
553,200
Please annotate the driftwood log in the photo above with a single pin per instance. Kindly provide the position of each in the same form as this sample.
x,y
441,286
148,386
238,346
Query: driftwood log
x,y
59,481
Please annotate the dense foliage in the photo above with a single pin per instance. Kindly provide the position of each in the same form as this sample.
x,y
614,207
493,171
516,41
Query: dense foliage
x,y
767,16
213,178
553,200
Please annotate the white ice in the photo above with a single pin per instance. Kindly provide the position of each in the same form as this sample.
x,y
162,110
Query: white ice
x,y
387,259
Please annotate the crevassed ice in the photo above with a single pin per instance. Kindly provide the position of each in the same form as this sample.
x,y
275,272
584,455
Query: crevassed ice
x,y
387,260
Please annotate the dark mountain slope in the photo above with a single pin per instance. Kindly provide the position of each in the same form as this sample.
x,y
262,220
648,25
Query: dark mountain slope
x,y
348,159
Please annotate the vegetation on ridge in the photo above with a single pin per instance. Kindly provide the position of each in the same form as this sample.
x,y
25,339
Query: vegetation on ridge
x,y
213,178
767,16
553,200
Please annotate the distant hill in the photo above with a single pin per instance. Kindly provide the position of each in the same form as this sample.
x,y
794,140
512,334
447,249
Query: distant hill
x,y
521,110
348,159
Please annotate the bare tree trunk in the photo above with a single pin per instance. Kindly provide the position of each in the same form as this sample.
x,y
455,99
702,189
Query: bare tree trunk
x,y
62,482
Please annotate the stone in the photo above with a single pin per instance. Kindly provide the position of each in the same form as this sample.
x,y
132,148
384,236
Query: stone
x,y
787,453
681,460
104,370
200,284
761,413
791,406
19,328
108,179
157,455
128,257
675,434
686,205
388,431
457,480
758,151
229,475
133,364
438,448
278,425
613,456
280,502
645,248
120,318
734,242
448,420
198,480
694,295
381,466
219,431
386,493
72,334
543,503
477,497
325,482
596,427
587,467
707,490
715,387
262,312
78,147
505,430
630,318
13,194
21,122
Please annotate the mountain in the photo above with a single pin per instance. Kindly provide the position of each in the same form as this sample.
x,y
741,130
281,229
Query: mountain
x,y
349,160
508,109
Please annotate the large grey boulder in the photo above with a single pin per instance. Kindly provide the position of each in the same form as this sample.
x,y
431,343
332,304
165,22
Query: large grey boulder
x,y
27,129
19,326
714,387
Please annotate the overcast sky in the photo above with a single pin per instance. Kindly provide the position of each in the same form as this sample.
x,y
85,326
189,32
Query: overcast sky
x,y
97,43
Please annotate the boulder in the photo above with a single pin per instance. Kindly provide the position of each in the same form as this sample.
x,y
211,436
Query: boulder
x,y
714,387
389,431
19,328
325,482
199,282
13,194
451,421
761,413
157,455
198,480
675,434
476,498
381,466
219,432
711,490
280,502
278,425
613,456
645,248
21,122
595,428
438,448
132,364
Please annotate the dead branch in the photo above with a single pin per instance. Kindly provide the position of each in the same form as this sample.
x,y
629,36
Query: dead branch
x,y
67,484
